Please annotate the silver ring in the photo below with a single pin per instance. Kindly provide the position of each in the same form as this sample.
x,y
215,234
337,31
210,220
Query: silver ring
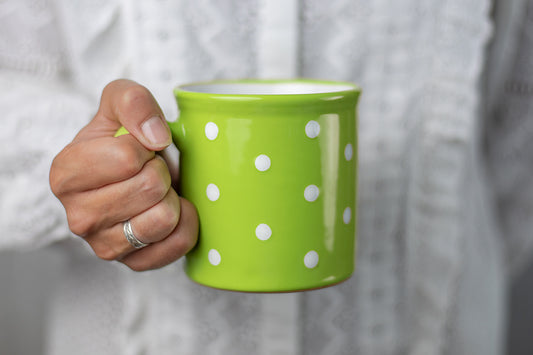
x,y
132,239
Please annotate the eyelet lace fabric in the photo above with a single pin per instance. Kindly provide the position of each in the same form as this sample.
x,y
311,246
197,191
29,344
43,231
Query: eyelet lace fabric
x,y
429,258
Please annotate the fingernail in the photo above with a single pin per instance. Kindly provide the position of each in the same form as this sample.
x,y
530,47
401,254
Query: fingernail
x,y
156,131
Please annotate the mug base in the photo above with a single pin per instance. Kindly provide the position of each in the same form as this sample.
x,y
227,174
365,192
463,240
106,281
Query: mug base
x,y
267,291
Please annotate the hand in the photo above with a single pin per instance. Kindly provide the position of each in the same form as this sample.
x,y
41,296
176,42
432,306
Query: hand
x,y
103,181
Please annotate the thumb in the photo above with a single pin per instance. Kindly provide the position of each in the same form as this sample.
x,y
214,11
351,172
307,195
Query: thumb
x,y
126,103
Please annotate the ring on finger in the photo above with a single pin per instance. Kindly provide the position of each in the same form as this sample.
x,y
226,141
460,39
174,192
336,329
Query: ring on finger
x,y
131,238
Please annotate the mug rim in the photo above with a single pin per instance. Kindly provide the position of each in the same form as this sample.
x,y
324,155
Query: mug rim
x,y
267,87
343,93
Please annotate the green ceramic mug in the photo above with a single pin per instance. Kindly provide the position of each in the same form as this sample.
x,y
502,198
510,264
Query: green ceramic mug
x,y
271,167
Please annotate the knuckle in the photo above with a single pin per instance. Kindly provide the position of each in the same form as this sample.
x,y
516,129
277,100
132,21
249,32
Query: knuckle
x,y
114,85
154,184
133,96
129,160
167,215
190,237
141,264
186,243
138,266
79,223
104,252
55,178
59,176
111,85
56,183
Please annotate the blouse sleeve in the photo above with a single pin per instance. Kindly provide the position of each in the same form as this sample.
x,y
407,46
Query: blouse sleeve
x,y
50,80
38,119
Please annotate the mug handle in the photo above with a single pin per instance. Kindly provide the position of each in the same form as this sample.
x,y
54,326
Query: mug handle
x,y
121,131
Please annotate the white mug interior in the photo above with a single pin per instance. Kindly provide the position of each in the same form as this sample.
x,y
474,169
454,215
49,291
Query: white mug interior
x,y
268,88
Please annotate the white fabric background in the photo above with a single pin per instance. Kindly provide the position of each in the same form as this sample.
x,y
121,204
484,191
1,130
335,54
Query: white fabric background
x,y
439,229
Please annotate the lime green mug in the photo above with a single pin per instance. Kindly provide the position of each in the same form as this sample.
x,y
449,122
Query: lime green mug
x,y
271,167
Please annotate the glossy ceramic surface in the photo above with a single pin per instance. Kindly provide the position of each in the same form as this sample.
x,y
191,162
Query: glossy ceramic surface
x,y
271,167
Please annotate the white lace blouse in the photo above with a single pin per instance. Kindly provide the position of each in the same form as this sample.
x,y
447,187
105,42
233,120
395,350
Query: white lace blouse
x,y
445,188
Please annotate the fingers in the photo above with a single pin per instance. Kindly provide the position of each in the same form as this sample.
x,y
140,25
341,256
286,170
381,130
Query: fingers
x,y
95,157
168,250
87,165
159,221
151,226
126,103
93,210
165,249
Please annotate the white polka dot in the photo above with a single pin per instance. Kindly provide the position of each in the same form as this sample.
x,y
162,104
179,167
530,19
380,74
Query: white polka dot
x,y
311,259
211,130
214,257
312,129
311,193
348,152
347,215
212,191
263,232
262,162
